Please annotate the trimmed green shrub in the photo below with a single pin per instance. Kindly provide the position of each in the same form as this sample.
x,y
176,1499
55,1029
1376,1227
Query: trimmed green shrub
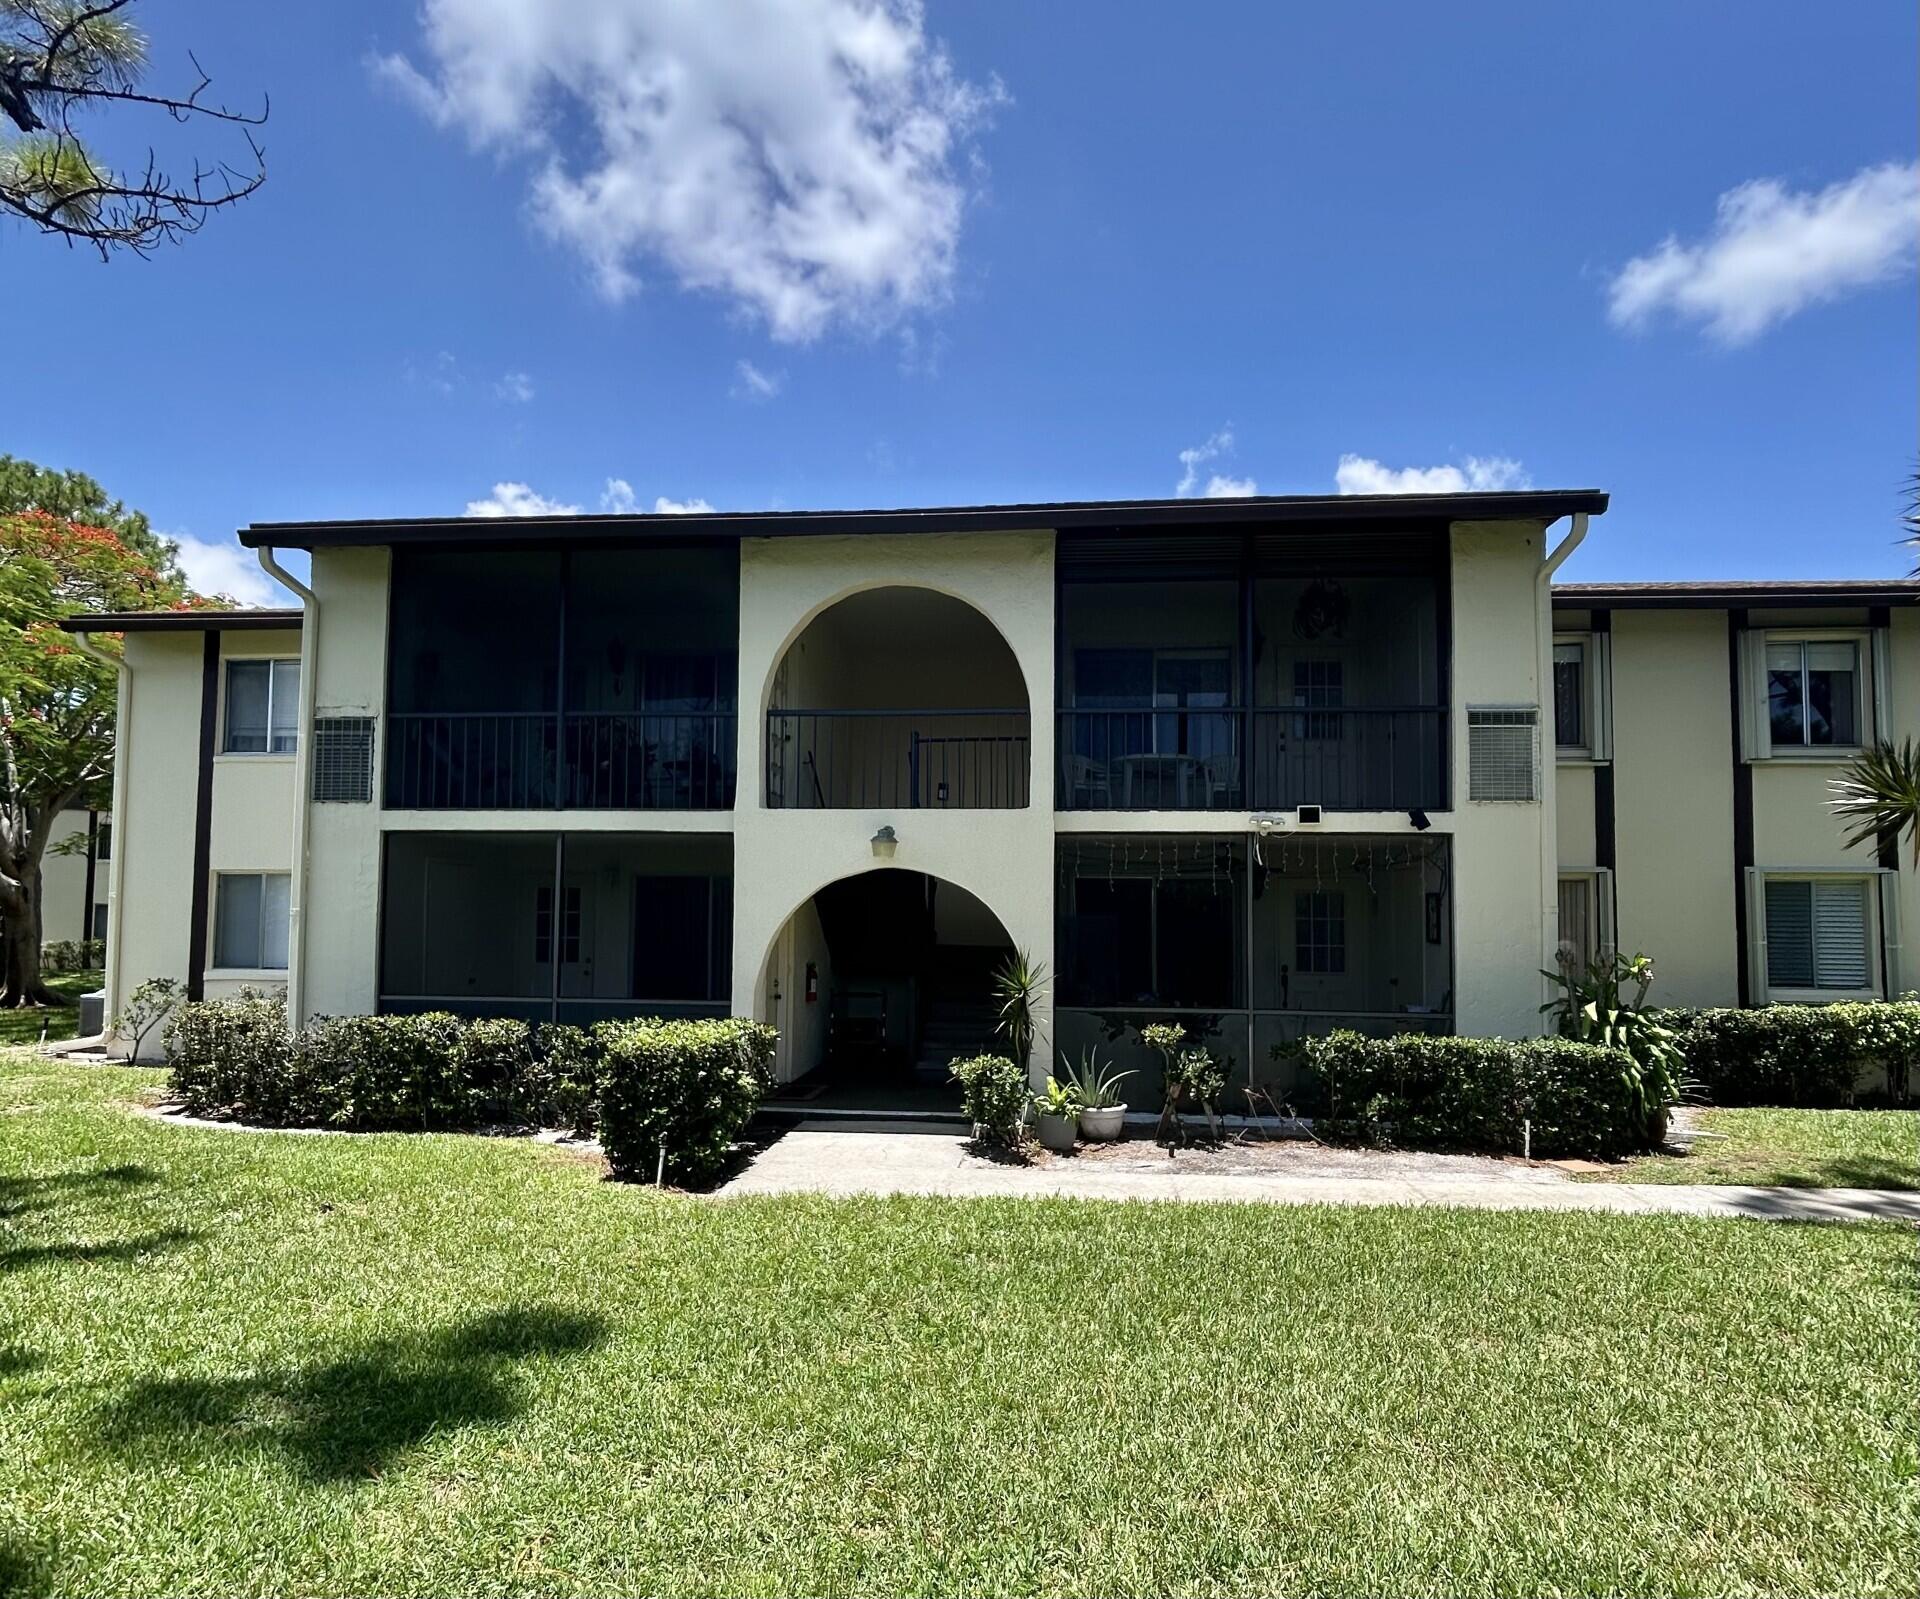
x,y
232,1057
73,955
687,1088
570,1064
993,1094
1425,1092
1802,1055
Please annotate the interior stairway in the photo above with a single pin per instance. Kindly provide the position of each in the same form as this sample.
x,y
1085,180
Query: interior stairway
x,y
953,1028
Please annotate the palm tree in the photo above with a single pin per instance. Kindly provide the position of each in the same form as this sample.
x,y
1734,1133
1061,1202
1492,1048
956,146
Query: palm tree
x,y
1879,794
1910,520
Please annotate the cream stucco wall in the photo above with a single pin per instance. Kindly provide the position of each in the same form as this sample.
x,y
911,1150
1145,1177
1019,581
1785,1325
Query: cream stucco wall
x,y
1574,816
783,857
339,949
1502,902
65,912
157,782
1673,801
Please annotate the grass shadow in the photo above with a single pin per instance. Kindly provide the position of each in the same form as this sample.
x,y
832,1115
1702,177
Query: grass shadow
x,y
22,1257
21,1196
24,1568
349,1417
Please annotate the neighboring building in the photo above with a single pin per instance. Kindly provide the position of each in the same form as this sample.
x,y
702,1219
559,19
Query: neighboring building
x,y
202,825
73,879
824,768
1698,727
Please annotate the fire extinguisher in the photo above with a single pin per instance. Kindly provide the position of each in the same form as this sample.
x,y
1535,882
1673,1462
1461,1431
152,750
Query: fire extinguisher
x,y
813,983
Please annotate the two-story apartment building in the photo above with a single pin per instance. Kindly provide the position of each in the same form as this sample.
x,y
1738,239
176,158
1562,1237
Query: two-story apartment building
x,y
1698,727
1267,765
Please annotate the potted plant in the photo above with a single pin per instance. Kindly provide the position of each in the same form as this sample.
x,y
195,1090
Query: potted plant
x,y
1056,1112
1102,1110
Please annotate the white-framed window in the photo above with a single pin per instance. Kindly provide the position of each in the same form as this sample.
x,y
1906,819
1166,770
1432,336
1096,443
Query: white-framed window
x,y
1814,697
263,707
1819,934
1571,710
250,921
1586,916
1320,932
1320,685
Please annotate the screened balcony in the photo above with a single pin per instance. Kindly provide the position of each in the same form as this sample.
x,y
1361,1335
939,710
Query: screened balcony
x,y
898,698
589,680
1238,683
575,928
1251,944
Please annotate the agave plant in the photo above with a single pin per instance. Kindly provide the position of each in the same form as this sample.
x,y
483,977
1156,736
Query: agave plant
x,y
1879,795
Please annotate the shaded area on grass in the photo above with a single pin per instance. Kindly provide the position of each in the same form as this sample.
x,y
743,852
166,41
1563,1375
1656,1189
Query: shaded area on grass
x,y
1788,1149
910,1395
350,1416
60,1021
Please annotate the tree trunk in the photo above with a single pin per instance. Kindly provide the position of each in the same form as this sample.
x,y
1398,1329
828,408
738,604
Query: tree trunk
x,y
20,981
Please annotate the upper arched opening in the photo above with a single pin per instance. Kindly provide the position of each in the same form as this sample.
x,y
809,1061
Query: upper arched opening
x,y
902,697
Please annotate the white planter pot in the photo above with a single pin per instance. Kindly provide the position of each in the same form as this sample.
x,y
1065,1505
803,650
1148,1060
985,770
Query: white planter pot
x,y
1054,1132
1102,1122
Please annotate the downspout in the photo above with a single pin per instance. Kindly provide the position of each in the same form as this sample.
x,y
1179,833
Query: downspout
x,y
302,758
1549,786
117,861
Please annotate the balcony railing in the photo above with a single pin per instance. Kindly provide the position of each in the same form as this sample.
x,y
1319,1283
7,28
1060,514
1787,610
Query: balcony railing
x,y
517,761
1347,758
849,760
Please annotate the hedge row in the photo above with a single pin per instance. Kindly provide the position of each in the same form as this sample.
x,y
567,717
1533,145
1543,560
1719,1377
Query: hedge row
x,y
1804,1055
1425,1092
73,955
688,1087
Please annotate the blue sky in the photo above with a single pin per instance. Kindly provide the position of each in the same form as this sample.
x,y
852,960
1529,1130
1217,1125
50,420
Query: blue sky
x,y
1081,241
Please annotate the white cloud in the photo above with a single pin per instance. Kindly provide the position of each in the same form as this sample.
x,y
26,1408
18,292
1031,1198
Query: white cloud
x,y
1361,474
1773,252
750,383
1218,486
617,499
516,388
221,567
516,499
802,158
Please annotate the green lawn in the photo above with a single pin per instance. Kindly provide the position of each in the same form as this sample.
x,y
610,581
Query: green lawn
x,y
63,1021
1791,1149
237,1363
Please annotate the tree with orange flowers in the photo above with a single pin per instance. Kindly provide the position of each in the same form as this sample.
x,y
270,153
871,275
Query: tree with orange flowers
x,y
57,702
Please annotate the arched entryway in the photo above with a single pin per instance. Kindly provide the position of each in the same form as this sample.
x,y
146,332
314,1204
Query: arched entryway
x,y
876,983
902,697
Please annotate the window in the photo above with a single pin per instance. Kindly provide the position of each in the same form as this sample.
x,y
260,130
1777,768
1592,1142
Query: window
x,y
263,707
1318,684
250,922
1570,695
99,922
1813,692
569,925
1320,932
102,841
1818,933
1576,923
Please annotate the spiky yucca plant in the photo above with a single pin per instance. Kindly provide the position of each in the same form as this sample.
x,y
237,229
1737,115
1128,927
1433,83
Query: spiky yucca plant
x,y
1879,795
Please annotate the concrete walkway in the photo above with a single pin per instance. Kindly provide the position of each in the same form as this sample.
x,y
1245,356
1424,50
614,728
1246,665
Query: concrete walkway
x,y
825,1160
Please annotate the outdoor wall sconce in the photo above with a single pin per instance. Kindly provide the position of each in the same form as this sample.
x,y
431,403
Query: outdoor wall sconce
x,y
885,842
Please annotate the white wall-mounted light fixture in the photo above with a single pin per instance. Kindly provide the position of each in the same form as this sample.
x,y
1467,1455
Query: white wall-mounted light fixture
x,y
885,842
